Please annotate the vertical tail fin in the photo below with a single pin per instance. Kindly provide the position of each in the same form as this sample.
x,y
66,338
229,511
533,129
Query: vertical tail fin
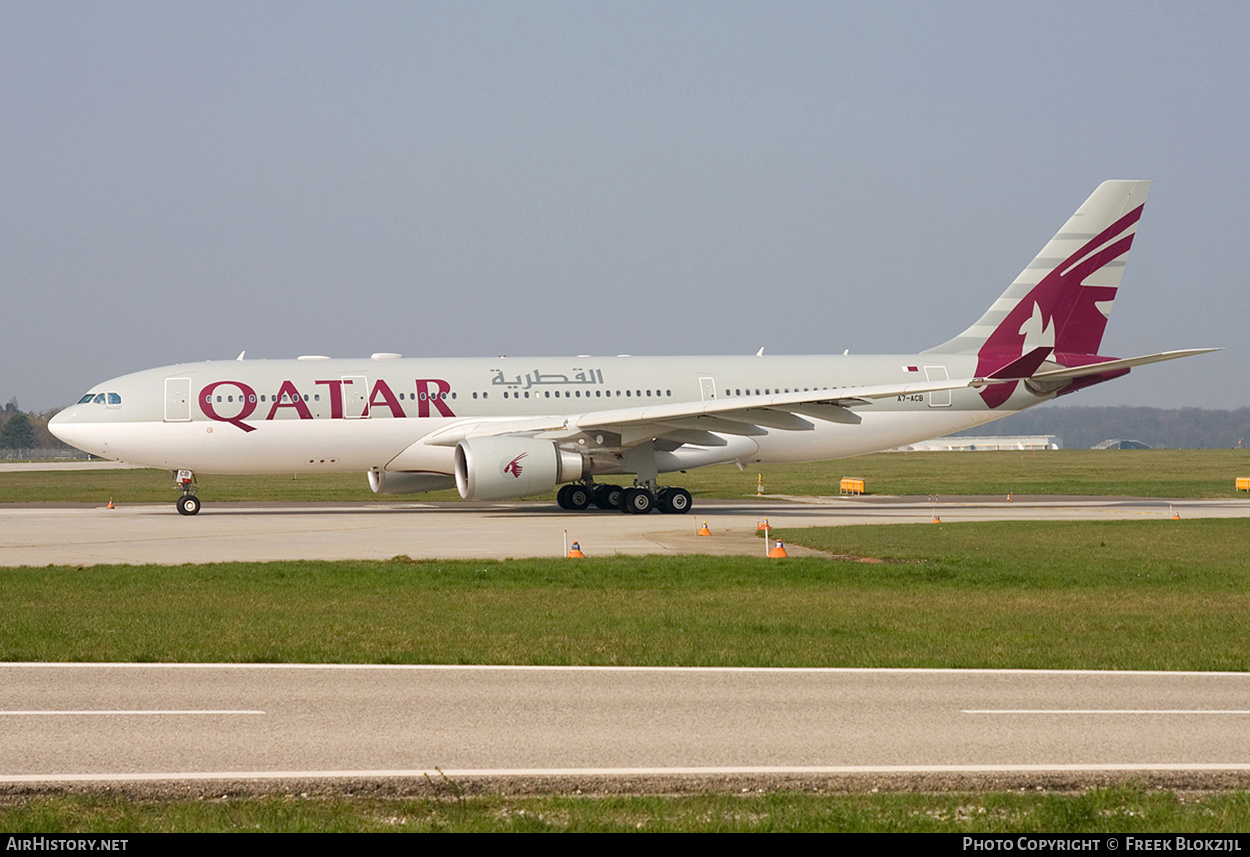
x,y
1063,298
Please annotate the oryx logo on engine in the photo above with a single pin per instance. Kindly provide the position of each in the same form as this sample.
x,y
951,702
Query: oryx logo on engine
x,y
514,466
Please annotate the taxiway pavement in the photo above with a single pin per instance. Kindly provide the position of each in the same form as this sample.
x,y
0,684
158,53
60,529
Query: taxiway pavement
x,y
63,535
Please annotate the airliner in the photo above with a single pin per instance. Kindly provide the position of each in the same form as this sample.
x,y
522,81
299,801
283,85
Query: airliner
x,y
508,428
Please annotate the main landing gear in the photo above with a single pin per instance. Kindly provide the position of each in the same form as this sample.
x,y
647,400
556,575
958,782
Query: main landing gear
x,y
638,500
188,503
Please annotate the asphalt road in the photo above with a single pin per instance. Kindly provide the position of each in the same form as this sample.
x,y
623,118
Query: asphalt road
x,y
81,723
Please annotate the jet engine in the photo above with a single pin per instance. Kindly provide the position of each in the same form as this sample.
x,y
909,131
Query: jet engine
x,y
506,468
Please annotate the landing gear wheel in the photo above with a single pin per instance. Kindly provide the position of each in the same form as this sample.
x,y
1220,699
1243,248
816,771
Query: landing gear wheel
x,y
573,497
608,496
675,501
637,501
188,504
578,497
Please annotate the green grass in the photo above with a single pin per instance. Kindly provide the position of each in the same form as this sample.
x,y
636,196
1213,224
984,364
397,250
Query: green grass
x,y
1132,473
1117,810
1138,473
1098,595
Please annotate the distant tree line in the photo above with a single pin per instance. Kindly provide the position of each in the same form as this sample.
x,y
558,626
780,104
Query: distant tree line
x,y
20,430
1081,428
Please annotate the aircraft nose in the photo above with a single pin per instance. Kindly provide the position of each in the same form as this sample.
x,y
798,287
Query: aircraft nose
x,y
63,424
59,423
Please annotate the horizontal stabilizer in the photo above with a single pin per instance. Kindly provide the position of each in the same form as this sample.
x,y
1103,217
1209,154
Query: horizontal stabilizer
x,y
1117,365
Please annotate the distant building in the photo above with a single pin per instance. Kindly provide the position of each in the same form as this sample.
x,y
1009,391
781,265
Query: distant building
x,y
984,444
1121,443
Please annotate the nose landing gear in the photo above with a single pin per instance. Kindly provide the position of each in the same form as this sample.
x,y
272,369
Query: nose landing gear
x,y
188,503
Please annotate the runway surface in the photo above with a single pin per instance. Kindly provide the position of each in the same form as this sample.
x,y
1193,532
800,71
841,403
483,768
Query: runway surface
x,y
42,534
85,723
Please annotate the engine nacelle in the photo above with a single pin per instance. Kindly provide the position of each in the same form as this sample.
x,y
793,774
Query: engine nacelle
x,y
389,482
506,468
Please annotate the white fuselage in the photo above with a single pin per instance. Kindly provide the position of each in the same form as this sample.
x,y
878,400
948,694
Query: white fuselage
x,y
379,414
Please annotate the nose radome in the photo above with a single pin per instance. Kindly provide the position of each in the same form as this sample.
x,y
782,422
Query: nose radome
x,y
60,423
68,429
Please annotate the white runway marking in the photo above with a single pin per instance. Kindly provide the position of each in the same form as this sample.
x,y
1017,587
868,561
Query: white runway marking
x,y
125,712
1234,711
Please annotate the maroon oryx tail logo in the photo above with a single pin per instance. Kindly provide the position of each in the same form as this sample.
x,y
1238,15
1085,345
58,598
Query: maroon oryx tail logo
x,y
514,466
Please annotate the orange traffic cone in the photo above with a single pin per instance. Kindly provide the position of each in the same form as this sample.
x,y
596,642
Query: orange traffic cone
x,y
936,519
575,552
704,531
1176,516
761,525
110,505
778,552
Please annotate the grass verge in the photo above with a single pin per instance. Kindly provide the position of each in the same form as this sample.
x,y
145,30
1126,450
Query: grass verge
x,y
1115,810
1093,595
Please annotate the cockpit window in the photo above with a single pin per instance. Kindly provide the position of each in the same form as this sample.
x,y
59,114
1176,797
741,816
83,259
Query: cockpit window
x,y
111,399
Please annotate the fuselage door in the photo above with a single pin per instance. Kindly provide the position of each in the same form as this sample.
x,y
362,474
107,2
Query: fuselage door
x,y
355,397
938,398
177,400
707,387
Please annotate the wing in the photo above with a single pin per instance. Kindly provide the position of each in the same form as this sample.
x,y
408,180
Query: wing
x,y
698,423
705,423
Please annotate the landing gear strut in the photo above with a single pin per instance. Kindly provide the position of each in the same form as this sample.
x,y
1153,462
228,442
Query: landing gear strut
x,y
644,496
188,503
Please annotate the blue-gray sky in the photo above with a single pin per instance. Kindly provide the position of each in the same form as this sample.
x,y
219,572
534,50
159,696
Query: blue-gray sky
x,y
182,181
